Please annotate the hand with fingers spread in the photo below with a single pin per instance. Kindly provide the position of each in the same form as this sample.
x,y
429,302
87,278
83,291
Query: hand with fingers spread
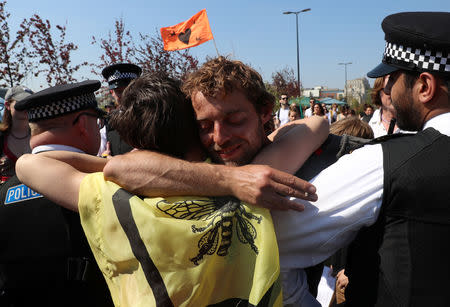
x,y
266,187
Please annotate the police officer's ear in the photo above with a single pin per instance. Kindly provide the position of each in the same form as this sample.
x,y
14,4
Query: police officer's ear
x,y
81,124
426,87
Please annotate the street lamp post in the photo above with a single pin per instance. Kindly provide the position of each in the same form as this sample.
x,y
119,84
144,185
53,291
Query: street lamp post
x,y
298,55
345,86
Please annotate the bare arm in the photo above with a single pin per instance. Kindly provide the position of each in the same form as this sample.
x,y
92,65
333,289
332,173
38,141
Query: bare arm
x,y
293,144
56,180
152,174
80,161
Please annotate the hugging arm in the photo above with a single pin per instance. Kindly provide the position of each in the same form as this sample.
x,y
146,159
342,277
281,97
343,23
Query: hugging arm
x,y
293,143
152,174
80,161
56,180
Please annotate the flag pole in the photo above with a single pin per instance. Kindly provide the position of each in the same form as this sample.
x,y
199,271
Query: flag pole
x,y
217,50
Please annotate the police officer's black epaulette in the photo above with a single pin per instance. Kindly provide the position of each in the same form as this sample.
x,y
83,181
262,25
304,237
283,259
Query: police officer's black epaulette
x,y
387,137
350,143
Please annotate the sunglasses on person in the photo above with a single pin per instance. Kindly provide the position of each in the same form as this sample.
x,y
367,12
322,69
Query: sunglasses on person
x,y
100,119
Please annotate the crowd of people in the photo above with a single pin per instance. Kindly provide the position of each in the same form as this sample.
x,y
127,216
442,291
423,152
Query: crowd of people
x,y
335,113
197,193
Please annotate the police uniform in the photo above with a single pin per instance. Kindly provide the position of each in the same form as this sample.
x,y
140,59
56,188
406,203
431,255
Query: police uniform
x,y
45,259
391,195
119,75
402,260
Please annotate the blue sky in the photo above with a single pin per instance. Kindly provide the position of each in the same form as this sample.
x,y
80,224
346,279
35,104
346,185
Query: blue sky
x,y
255,32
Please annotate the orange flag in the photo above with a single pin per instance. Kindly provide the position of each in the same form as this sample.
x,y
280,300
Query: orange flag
x,y
187,34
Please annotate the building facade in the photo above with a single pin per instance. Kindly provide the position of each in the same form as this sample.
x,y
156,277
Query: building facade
x,y
358,89
323,92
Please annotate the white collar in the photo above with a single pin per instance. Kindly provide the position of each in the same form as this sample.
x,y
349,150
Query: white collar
x,y
53,147
440,123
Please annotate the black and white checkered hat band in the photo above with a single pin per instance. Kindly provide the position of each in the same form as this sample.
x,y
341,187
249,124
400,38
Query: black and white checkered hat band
x,y
422,59
62,107
122,75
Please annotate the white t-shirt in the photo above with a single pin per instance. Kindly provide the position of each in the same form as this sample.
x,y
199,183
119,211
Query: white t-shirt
x,y
308,112
283,116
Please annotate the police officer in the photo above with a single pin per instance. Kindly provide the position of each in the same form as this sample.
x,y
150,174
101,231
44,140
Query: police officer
x,y
118,77
44,256
402,260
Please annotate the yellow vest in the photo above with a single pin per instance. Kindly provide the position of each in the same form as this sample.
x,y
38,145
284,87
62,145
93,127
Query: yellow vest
x,y
184,251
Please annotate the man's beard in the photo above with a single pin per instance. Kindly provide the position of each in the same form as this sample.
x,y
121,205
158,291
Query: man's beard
x,y
248,155
407,117
244,159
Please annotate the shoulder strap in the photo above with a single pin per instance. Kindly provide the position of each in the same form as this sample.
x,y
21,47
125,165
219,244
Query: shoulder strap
x,y
387,137
349,143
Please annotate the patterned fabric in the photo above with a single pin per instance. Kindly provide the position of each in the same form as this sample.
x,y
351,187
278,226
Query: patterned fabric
x,y
200,251
424,59
117,75
58,108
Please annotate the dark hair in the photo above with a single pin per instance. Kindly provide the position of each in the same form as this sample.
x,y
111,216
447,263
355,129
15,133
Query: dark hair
x,y
155,114
411,77
344,109
320,106
366,106
221,76
352,126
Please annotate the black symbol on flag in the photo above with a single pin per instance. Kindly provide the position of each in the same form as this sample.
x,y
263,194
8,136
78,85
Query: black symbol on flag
x,y
184,36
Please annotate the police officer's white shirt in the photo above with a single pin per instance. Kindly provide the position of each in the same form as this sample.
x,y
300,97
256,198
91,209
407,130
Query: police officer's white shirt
x,y
53,147
350,194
